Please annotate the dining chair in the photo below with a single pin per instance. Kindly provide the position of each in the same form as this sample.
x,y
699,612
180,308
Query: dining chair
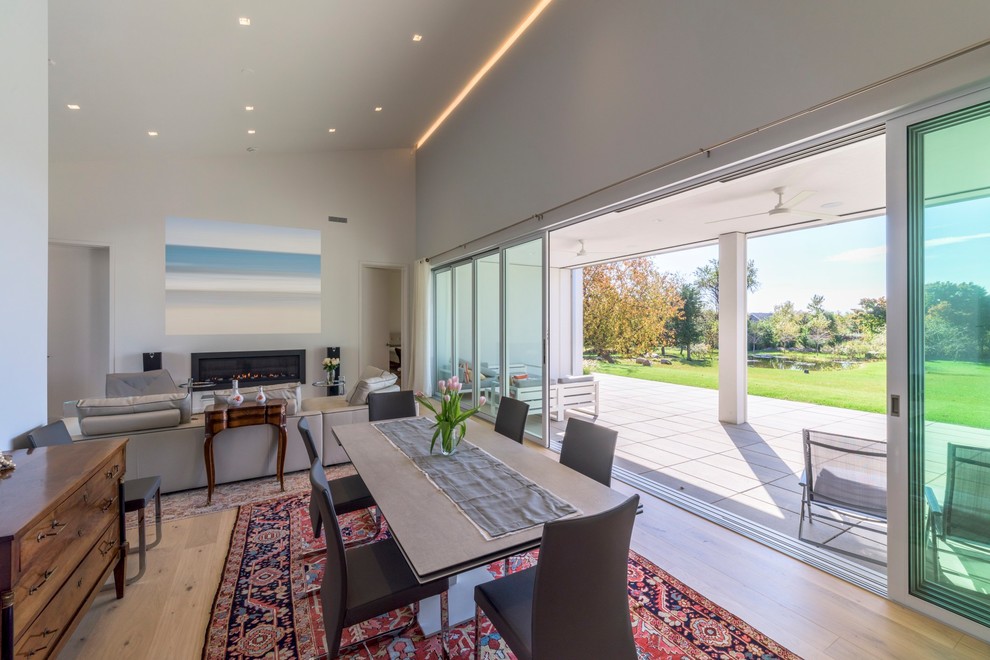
x,y
349,493
138,493
366,581
511,418
589,449
391,405
574,603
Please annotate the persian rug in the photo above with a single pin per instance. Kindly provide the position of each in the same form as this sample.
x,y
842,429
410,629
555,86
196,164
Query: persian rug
x,y
187,503
262,610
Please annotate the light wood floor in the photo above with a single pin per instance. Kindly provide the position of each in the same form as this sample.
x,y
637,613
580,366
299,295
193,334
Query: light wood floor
x,y
164,615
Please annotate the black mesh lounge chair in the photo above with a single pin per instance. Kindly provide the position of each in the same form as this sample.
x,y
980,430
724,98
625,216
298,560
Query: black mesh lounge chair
x,y
846,475
965,516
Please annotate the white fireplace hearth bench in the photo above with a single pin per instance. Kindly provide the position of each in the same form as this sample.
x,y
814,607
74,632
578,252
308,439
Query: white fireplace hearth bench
x,y
176,452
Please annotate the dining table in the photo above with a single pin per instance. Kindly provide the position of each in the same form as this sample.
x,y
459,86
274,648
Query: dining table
x,y
436,536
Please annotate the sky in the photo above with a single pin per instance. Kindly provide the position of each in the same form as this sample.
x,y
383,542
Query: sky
x,y
843,262
847,261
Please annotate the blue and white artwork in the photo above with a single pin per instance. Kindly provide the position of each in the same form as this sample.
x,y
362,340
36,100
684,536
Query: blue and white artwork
x,y
236,278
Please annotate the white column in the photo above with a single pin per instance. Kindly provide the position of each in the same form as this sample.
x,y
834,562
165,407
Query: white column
x,y
732,328
577,321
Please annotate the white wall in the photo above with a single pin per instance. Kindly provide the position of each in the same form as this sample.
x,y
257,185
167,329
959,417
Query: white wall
x,y
23,217
595,92
124,204
381,314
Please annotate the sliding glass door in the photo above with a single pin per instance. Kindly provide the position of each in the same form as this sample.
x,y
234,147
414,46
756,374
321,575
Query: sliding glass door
x,y
488,315
948,342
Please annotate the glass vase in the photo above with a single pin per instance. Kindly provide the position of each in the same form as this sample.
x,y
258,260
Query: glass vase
x,y
450,437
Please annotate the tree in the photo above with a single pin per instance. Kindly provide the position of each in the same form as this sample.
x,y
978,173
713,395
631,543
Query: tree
x,y
959,314
817,324
871,315
706,280
688,326
628,306
785,324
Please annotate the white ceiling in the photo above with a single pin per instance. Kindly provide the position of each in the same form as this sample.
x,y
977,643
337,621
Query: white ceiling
x,y
850,180
187,69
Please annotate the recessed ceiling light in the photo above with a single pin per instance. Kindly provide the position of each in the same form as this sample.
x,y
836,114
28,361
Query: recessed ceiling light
x,y
244,20
251,131
332,130
72,106
417,37
249,108
378,108
153,133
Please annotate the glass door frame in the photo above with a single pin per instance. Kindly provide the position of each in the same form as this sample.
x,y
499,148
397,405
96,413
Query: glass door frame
x,y
503,358
902,376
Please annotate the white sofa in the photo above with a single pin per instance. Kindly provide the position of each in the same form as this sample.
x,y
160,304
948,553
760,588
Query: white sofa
x,y
176,453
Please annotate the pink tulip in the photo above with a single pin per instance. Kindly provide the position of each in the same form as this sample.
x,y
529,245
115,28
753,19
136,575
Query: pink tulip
x,y
457,387
453,379
481,400
442,385
446,398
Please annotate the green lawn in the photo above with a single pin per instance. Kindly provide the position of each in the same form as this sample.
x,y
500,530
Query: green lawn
x,y
956,391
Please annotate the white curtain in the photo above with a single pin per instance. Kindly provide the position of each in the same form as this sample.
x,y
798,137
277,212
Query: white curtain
x,y
421,373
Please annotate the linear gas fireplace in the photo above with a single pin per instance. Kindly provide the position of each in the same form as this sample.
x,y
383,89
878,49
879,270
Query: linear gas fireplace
x,y
211,371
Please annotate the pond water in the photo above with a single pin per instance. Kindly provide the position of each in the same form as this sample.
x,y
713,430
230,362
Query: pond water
x,y
777,362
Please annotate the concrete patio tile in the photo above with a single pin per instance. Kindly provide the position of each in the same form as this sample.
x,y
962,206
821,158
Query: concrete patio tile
x,y
634,464
738,466
653,427
676,446
789,482
776,496
632,435
656,456
733,435
730,480
689,485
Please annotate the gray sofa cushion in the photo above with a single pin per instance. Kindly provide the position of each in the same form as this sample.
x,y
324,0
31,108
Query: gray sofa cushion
x,y
381,383
137,421
124,405
158,381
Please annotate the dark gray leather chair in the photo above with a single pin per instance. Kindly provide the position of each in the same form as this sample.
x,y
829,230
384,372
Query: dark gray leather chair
x,y
366,581
391,405
138,493
574,603
589,449
511,418
349,493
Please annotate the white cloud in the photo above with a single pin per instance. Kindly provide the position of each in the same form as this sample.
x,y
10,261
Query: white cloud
x,y
860,254
952,240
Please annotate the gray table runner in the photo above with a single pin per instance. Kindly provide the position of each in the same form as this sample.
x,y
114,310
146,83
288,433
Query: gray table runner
x,y
494,497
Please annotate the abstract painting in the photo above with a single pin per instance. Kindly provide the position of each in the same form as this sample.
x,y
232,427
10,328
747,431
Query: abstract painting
x,y
237,278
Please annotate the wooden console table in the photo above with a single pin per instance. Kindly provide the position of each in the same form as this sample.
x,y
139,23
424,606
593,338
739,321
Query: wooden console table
x,y
221,416
61,535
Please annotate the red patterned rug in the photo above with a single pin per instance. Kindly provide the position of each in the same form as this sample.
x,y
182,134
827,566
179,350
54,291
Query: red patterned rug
x,y
262,611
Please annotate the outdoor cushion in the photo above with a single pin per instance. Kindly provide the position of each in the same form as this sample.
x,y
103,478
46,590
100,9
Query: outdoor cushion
x,y
576,379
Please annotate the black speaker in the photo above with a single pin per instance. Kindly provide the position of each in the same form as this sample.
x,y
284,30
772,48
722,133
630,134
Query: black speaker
x,y
334,352
152,361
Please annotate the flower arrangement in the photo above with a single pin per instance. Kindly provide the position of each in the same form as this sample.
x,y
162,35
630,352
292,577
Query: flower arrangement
x,y
330,365
451,420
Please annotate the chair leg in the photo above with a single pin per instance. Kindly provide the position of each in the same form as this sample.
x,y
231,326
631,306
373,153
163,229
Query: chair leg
x,y
158,518
141,549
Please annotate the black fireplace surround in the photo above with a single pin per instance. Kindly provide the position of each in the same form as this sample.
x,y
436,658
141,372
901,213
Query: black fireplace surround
x,y
212,371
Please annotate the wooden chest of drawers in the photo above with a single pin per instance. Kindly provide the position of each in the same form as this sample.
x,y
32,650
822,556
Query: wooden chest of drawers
x,y
60,537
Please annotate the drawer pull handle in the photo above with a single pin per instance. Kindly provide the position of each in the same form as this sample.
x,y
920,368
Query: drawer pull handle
x,y
44,578
37,650
48,631
109,543
113,472
107,504
57,526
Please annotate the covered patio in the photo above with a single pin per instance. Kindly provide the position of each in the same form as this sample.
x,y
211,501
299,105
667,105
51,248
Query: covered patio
x,y
670,435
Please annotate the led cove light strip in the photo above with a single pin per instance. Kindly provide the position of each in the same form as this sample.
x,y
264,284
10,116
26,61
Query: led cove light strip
x,y
484,69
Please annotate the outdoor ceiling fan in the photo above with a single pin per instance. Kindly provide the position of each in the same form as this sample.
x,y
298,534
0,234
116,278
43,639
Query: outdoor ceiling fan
x,y
582,252
784,208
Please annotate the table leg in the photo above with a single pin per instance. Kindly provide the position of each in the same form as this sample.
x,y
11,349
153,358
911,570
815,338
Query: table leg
x,y
208,459
282,442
